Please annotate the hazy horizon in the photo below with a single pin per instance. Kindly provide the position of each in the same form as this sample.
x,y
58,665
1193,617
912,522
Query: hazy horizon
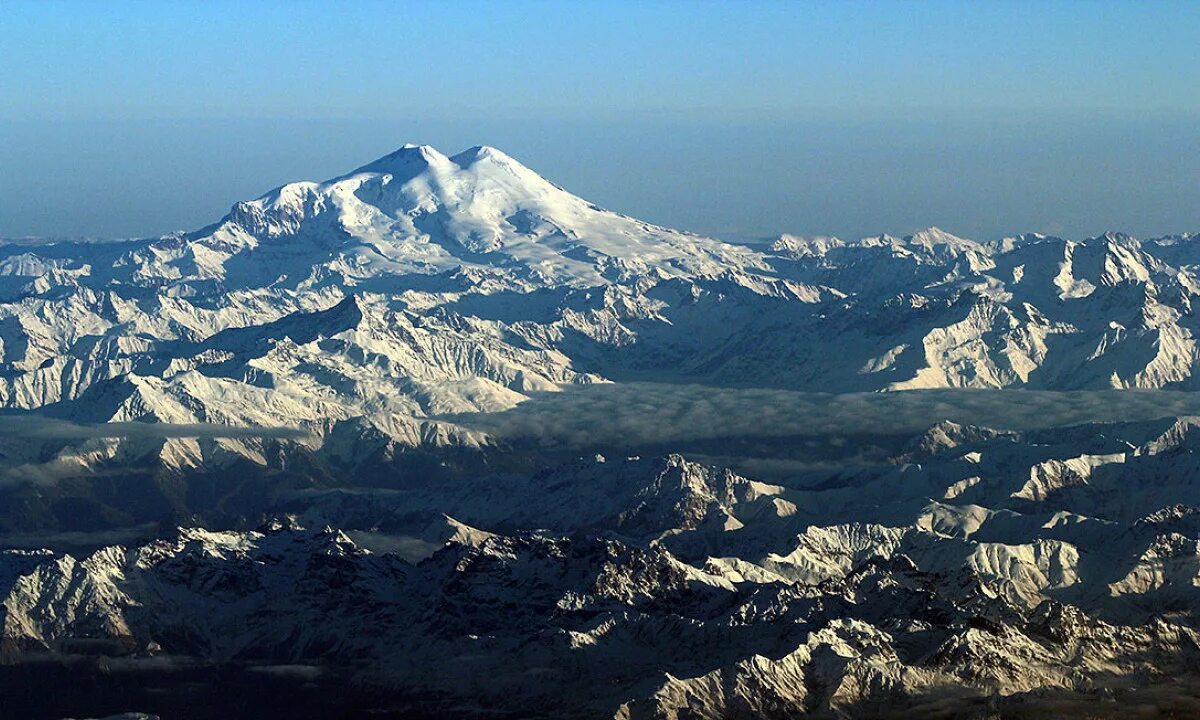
x,y
805,118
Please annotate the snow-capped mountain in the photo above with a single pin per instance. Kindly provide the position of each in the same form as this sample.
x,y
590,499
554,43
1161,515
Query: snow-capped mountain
x,y
420,285
302,367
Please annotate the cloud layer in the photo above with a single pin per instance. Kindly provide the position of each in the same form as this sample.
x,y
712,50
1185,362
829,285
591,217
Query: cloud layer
x,y
635,414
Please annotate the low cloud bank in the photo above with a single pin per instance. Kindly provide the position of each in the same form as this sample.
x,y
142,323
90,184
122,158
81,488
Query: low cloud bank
x,y
81,542
53,432
648,413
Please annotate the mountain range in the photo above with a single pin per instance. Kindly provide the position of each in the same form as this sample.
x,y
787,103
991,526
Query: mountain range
x,y
239,451
420,285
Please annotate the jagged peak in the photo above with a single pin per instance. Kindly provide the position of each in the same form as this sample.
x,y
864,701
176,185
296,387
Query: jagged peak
x,y
933,235
947,435
1181,433
1169,514
788,242
1113,237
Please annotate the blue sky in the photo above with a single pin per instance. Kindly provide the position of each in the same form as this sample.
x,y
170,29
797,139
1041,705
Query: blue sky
x,y
738,119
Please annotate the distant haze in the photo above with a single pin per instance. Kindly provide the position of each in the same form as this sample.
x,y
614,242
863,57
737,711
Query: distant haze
x,y
738,120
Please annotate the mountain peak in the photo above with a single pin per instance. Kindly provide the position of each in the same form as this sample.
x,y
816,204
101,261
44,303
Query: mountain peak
x,y
479,153
409,159
1113,236
934,235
